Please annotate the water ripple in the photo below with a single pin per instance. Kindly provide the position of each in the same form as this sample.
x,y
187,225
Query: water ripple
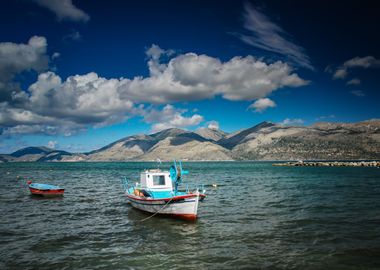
x,y
258,217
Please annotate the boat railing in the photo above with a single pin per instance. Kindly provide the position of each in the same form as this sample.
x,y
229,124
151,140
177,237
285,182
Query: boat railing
x,y
188,188
127,184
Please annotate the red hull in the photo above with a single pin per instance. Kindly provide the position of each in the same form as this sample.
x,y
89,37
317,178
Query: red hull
x,y
187,217
47,193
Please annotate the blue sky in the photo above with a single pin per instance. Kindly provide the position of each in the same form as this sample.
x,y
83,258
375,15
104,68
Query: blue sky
x,y
77,75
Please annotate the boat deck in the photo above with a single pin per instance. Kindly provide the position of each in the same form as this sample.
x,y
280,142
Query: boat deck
x,y
161,194
44,186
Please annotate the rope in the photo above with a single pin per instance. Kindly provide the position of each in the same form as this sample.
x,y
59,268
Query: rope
x,y
157,211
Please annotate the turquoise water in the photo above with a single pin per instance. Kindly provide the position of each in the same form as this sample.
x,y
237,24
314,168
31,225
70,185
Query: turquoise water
x,y
259,216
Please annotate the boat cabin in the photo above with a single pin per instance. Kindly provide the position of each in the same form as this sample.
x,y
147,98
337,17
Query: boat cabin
x,y
156,179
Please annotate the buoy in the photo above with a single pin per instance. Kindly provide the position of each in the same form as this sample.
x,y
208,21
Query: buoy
x,y
28,182
214,185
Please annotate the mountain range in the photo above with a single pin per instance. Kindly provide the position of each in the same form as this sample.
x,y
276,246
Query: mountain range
x,y
265,141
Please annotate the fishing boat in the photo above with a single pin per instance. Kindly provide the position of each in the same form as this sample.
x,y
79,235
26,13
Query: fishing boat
x,y
158,192
45,190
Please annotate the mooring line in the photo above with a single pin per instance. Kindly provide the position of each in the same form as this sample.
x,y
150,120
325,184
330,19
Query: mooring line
x,y
157,211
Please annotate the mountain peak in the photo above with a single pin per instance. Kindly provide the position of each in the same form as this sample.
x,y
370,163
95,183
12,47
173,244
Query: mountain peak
x,y
170,132
211,134
240,136
264,124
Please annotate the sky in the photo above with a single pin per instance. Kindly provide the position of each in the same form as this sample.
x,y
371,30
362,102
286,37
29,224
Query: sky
x,y
77,75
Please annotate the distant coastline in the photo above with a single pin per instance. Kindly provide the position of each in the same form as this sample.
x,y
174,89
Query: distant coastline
x,y
329,164
266,141
274,162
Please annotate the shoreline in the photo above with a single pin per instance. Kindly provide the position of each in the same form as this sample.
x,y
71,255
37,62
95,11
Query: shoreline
x,y
329,164
316,162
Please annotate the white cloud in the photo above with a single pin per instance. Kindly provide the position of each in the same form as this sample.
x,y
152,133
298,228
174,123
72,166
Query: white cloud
x,y
354,81
213,125
54,105
192,77
358,93
292,122
362,62
52,144
356,62
154,54
262,104
18,57
170,117
267,35
340,73
65,107
64,10
80,99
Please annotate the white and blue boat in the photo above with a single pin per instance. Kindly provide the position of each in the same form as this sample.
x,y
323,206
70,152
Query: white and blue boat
x,y
158,192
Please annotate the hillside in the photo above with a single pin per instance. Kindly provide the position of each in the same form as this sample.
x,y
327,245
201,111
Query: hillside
x,y
211,134
320,141
265,141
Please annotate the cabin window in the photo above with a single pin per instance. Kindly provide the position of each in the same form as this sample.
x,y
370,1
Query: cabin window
x,y
158,180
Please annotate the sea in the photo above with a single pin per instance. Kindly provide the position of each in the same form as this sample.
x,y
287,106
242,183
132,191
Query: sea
x,y
255,216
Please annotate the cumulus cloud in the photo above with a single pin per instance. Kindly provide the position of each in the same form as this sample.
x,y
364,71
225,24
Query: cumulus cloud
x,y
23,121
16,58
55,105
81,99
358,93
267,35
213,125
190,76
292,122
262,104
154,54
356,62
170,117
64,10
193,77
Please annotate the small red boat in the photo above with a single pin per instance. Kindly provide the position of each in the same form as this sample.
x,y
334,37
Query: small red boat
x,y
45,190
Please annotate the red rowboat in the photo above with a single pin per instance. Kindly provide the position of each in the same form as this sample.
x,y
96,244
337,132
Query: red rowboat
x,y
45,190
